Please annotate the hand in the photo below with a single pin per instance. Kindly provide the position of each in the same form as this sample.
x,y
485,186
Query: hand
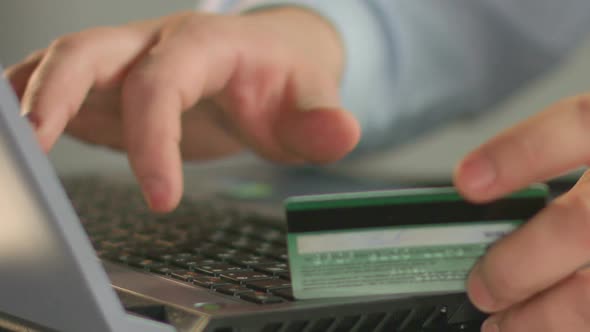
x,y
535,279
193,86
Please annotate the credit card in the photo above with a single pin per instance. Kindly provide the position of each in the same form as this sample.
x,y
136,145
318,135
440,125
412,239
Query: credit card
x,y
395,242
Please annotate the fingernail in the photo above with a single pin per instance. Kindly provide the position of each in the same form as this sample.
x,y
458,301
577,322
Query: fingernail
x,y
155,193
478,291
477,172
490,325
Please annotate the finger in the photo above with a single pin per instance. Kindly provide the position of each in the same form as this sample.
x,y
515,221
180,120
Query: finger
x,y
19,74
306,124
73,65
565,307
317,129
321,135
538,255
554,141
168,80
203,124
99,120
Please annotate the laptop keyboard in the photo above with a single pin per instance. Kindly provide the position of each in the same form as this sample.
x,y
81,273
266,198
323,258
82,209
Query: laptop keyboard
x,y
201,243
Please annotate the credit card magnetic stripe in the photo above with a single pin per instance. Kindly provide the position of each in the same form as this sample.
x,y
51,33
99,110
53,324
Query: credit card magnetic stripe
x,y
405,207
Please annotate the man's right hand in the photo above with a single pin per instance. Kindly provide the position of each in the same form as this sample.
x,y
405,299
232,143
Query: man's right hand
x,y
193,86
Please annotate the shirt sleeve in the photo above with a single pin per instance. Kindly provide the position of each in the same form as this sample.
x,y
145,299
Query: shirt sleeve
x,y
414,65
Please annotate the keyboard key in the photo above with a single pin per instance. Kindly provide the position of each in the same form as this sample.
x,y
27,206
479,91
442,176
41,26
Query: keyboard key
x,y
242,242
219,253
245,229
250,261
286,293
251,247
234,290
193,262
261,298
109,244
146,264
226,223
278,254
165,244
268,235
221,237
160,255
104,253
183,255
209,282
118,235
126,258
165,270
143,237
272,269
201,247
171,236
186,276
264,248
240,258
216,268
268,285
244,276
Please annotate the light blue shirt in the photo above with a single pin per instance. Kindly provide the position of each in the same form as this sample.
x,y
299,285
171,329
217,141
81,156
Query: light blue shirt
x,y
412,65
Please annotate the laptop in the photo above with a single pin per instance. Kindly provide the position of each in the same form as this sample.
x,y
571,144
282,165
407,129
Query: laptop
x,y
85,255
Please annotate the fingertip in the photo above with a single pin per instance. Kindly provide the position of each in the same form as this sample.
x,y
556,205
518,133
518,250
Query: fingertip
x,y
157,165
46,137
160,194
491,324
475,176
478,292
321,135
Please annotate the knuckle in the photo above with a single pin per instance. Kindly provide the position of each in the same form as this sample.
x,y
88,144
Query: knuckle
x,y
195,22
84,40
149,82
142,83
140,92
67,44
198,27
34,56
202,24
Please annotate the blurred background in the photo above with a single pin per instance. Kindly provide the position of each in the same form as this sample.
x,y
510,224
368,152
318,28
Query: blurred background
x,y
27,25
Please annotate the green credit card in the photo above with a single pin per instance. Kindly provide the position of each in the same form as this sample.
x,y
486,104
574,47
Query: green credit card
x,y
395,242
